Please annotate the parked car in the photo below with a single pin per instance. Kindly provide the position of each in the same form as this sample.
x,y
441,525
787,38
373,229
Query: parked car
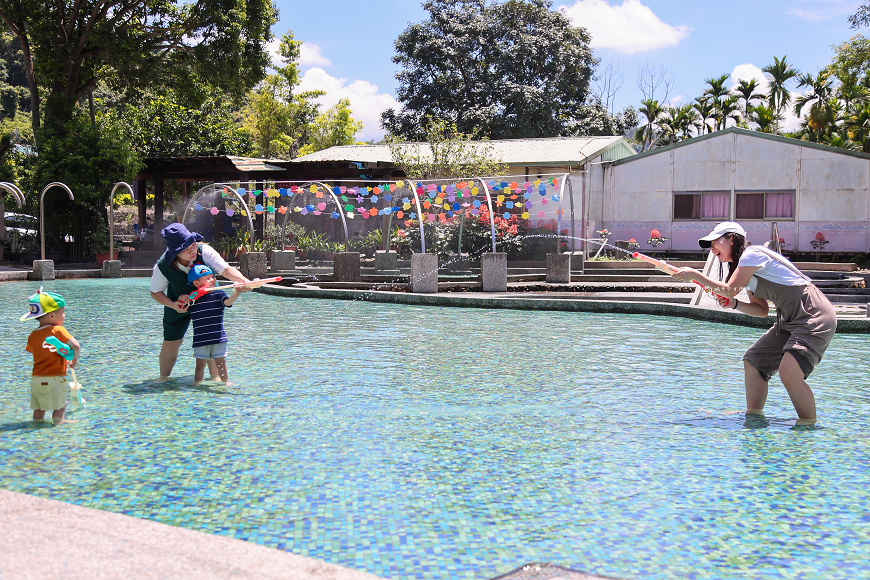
x,y
21,231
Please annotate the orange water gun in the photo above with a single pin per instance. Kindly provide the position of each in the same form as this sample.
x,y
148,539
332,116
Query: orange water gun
x,y
255,283
670,270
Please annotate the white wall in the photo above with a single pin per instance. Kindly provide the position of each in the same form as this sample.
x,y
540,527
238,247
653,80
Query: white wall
x,y
832,191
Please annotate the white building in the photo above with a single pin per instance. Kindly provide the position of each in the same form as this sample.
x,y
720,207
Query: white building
x,y
753,178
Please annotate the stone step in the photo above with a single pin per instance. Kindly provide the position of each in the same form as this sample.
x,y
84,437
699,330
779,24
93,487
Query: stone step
x,y
850,298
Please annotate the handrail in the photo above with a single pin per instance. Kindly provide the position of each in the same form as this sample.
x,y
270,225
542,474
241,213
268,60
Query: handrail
x,y
42,214
112,215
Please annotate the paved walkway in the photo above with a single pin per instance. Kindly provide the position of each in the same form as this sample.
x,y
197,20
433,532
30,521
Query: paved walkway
x,y
47,539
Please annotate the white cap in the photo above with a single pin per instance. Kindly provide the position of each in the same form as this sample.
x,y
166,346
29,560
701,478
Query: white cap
x,y
719,231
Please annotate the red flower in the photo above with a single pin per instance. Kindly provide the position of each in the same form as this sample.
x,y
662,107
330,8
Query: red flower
x,y
820,236
655,234
633,241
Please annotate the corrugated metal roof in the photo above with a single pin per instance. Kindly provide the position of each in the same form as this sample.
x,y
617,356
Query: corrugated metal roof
x,y
555,151
748,133
253,164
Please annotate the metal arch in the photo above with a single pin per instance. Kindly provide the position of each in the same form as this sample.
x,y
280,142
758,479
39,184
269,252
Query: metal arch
x,y
13,189
559,216
213,187
491,215
338,207
112,215
571,198
411,184
42,213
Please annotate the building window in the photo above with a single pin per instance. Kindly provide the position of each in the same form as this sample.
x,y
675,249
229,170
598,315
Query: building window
x,y
759,206
701,206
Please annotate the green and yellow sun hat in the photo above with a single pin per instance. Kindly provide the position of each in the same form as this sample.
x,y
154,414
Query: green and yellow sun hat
x,y
42,303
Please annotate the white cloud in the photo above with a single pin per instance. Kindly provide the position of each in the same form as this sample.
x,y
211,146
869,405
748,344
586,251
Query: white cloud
x,y
628,28
309,54
366,102
748,71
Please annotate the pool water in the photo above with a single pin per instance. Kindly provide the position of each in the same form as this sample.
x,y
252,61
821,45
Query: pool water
x,y
415,442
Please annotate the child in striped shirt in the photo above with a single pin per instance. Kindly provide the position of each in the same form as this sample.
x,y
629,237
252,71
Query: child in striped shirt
x,y
207,315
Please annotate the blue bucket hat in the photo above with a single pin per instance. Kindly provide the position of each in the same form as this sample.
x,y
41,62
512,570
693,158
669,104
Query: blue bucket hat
x,y
198,272
177,238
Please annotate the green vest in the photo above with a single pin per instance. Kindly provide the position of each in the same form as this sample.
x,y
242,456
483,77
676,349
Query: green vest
x,y
178,285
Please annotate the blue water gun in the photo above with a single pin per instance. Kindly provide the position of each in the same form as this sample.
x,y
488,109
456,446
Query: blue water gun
x,y
66,352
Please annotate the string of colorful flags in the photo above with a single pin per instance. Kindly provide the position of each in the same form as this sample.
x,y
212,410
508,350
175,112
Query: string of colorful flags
x,y
450,198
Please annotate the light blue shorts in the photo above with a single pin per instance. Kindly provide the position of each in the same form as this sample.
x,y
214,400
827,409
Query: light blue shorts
x,y
210,351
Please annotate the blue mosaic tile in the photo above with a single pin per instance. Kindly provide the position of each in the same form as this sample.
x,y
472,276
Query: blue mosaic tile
x,y
423,443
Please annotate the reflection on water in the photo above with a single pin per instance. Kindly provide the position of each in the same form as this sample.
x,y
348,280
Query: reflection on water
x,y
450,443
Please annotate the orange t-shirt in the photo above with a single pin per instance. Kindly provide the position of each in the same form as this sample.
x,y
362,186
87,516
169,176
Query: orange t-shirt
x,y
47,362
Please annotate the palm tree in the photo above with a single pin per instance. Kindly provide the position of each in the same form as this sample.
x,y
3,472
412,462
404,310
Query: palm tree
x,y
717,91
684,120
858,123
746,90
764,117
728,109
705,110
652,110
778,75
819,97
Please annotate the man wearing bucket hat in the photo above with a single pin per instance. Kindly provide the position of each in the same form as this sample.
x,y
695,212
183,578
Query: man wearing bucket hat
x,y
805,319
48,384
169,284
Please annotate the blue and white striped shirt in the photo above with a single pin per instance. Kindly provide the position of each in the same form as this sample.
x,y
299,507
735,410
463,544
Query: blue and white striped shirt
x,y
207,315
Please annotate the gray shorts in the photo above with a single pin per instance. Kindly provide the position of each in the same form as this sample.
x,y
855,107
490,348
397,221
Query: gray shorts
x,y
210,351
807,327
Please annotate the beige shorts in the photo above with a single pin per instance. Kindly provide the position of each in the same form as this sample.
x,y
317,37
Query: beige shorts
x,y
48,393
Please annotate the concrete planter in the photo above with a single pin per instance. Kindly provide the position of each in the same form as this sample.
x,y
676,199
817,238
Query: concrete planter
x,y
253,265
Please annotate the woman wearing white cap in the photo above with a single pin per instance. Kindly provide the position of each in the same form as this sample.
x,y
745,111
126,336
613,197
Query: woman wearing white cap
x,y
805,323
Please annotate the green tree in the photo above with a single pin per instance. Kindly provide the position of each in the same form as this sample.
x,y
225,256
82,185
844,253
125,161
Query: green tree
x,y
647,134
746,91
332,128
278,120
594,119
164,128
779,74
819,98
861,17
721,99
705,110
508,69
68,46
446,153
676,123
763,117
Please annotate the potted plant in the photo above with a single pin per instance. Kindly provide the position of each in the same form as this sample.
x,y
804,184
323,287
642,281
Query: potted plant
x,y
99,241
655,239
818,243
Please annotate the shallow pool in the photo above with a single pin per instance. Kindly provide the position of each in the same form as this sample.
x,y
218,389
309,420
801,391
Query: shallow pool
x,y
417,442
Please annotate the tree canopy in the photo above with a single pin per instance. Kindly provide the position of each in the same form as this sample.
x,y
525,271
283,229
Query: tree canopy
x,y
69,46
508,69
332,128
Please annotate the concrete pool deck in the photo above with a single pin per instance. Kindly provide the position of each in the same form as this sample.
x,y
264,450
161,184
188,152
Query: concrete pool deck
x,y
44,538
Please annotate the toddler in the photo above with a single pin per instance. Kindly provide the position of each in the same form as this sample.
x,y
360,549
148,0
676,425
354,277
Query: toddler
x,y
48,385
207,315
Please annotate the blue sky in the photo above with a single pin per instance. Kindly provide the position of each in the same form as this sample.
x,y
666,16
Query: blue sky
x,y
348,45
